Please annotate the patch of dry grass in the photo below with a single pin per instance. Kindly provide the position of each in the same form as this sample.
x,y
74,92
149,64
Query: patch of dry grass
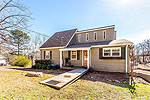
x,y
15,85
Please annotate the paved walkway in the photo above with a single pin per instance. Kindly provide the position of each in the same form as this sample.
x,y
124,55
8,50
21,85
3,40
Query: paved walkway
x,y
64,79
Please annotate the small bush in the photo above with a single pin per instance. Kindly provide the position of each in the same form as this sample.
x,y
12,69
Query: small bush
x,y
42,64
21,61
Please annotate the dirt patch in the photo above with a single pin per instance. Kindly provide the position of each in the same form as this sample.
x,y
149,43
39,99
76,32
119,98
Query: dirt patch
x,y
107,76
111,77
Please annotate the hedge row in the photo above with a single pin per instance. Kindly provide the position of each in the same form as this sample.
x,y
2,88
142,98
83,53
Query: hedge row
x,y
44,64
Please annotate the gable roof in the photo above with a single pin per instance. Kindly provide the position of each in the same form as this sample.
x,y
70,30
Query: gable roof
x,y
59,39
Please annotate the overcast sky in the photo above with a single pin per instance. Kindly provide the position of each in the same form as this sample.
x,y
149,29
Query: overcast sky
x,y
131,17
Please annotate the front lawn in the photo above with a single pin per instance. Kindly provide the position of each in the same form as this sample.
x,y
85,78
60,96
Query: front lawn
x,y
15,85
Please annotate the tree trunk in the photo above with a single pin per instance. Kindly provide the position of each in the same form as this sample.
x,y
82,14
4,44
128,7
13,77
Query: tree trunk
x,y
18,46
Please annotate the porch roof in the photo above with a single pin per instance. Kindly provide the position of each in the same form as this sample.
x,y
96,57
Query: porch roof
x,y
89,44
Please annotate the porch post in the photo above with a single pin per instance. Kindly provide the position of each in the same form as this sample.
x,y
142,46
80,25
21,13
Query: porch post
x,y
88,62
126,71
60,58
82,57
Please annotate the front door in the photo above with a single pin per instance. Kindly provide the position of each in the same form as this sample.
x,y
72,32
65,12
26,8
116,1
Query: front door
x,y
84,57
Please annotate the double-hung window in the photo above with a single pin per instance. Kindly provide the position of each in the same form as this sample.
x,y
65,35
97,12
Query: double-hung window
x,y
47,55
79,38
95,35
104,34
87,36
73,55
112,52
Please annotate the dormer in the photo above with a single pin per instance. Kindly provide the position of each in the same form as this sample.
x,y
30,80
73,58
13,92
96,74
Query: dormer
x,y
97,34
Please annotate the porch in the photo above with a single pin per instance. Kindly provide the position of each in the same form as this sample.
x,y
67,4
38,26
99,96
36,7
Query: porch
x,y
75,58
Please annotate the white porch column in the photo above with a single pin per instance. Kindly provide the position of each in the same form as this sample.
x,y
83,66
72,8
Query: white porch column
x,y
126,70
61,58
88,62
82,57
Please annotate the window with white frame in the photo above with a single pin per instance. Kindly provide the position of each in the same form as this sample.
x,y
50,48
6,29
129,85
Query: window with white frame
x,y
79,37
73,55
112,52
87,36
95,35
47,55
104,34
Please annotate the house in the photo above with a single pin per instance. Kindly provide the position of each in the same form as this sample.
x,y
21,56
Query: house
x,y
96,49
2,60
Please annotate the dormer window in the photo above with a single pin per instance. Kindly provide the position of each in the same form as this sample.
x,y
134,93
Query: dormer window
x,y
95,35
87,36
104,34
79,38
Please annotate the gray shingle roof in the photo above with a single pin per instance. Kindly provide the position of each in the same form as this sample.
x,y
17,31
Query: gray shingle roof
x,y
89,44
59,39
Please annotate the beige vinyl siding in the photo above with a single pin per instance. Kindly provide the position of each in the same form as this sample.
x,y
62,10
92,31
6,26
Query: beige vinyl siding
x,y
73,62
77,62
55,55
110,35
110,65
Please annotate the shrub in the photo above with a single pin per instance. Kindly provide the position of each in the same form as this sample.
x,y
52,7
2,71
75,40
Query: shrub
x,y
48,67
42,64
34,67
21,61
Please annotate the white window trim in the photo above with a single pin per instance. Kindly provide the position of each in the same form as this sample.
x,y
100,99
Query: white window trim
x,y
48,53
94,36
111,52
86,36
76,55
78,37
105,34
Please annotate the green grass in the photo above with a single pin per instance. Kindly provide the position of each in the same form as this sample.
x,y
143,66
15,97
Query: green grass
x,y
15,85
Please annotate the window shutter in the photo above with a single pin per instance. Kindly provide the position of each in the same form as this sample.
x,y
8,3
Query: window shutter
x,y
69,55
100,53
78,54
41,55
50,54
123,51
44,54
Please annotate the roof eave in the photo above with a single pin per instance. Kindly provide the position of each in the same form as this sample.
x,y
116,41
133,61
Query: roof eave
x,y
52,48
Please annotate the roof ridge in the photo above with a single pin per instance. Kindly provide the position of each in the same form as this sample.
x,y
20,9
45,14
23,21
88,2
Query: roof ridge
x,y
97,28
67,30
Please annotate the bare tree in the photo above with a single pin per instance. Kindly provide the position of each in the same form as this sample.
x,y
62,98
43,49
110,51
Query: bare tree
x,y
13,15
143,50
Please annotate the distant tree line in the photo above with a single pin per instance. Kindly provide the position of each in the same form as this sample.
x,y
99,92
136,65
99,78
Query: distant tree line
x,y
142,51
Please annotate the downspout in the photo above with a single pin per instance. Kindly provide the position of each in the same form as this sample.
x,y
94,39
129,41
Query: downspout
x,y
126,60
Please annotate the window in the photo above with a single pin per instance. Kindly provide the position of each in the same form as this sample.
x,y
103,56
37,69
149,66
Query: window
x,y
48,54
87,36
112,52
73,55
104,34
79,37
106,52
95,35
